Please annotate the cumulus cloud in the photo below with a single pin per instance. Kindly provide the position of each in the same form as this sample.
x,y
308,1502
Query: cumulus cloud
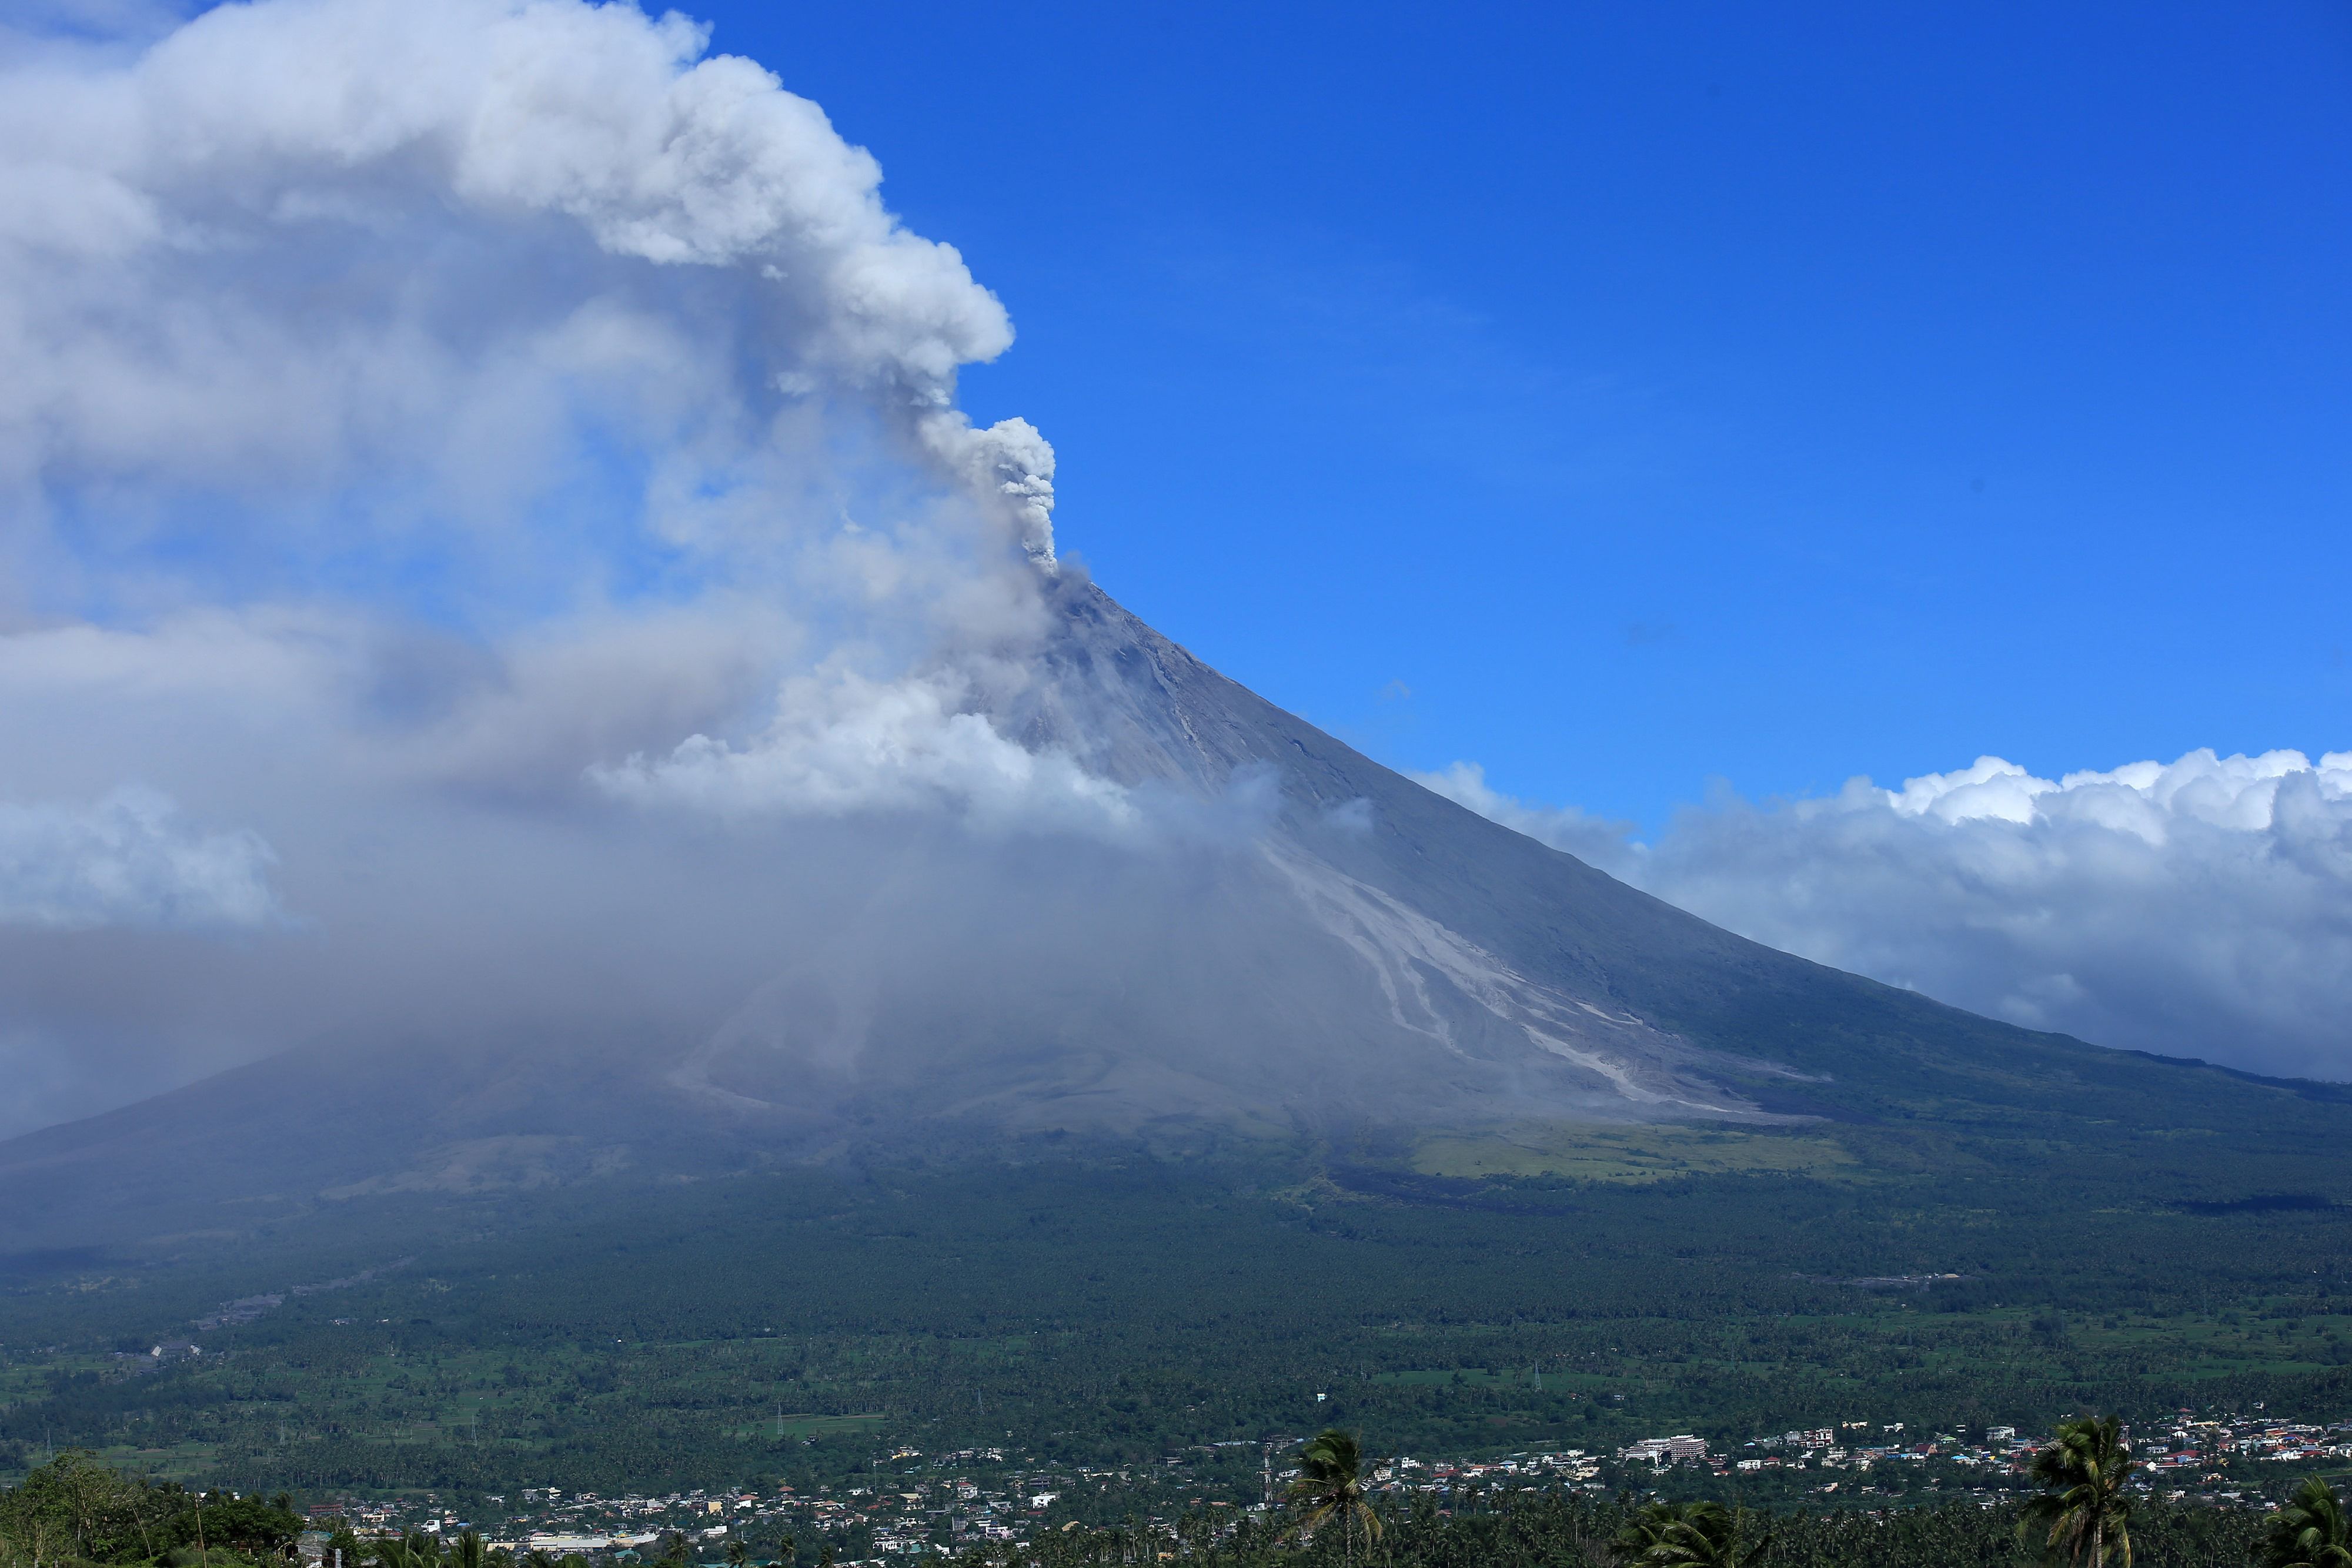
x,y
2201,907
128,859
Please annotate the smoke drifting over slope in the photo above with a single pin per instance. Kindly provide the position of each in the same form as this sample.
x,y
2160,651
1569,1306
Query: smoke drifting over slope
x,y
127,860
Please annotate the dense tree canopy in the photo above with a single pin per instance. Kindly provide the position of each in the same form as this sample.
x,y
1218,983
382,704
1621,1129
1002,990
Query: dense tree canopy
x,y
76,1508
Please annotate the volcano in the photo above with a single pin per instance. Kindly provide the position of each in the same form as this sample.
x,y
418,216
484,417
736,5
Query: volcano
x,y
1331,951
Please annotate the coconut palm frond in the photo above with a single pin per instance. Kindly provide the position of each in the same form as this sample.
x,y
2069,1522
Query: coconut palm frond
x,y
2309,1531
2084,1514
1691,1535
1330,1486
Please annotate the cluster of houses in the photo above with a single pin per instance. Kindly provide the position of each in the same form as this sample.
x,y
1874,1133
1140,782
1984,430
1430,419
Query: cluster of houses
x,y
2211,1444
2190,1448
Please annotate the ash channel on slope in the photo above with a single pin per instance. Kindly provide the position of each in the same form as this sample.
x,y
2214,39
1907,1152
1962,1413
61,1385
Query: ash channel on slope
x,y
1326,969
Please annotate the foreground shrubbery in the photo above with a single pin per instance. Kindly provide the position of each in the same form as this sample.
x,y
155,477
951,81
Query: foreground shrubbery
x,y
74,1509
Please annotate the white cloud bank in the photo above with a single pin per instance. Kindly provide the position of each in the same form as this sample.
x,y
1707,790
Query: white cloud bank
x,y
2202,907
128,859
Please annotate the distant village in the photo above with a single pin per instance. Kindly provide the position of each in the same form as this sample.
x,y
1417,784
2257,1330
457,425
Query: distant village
x,y
2193,1454
911,1503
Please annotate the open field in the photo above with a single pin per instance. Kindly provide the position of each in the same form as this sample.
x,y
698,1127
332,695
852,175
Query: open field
x,y
1603,1152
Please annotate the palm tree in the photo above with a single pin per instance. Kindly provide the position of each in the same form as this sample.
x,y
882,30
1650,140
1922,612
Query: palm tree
x,y
1690,1535
468,1551
737,1555
1644,1528
2083,1512
1330,1485
2310,1531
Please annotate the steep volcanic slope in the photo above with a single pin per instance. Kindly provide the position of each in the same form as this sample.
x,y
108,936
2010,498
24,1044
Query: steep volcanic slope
x,y
1336,949
1417,882
1374,955
1341,947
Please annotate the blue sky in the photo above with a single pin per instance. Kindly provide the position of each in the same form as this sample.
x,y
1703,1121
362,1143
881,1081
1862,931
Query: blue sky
x,y
1663,393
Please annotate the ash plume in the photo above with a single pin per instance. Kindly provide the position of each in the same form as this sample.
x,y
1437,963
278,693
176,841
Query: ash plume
x,y
441,430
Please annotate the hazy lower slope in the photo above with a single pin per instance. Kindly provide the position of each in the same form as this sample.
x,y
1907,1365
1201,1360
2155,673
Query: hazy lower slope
x,y
1334,950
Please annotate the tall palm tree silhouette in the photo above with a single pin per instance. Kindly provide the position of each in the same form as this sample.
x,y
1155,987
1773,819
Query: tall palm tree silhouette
x,y
2083,1512
1330,1485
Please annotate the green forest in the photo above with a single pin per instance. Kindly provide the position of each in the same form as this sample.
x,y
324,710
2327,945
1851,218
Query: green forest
x,y
1104,1307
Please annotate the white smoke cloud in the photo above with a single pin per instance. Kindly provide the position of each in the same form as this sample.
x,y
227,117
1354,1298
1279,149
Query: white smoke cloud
x,y
1012,465
841,744
128,859
2202,907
